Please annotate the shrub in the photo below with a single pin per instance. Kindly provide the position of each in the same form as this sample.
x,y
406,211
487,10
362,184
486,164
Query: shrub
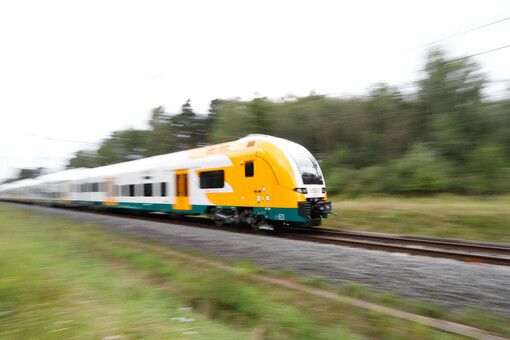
x,y
421,169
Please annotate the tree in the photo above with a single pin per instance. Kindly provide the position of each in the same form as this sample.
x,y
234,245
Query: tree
x,y
449,102
185,127
84,159
232,120
123,146
161,138
260,112
421,170
26,173
389,123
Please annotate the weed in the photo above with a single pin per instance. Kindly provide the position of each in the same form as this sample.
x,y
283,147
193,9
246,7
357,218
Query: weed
x,y
357,290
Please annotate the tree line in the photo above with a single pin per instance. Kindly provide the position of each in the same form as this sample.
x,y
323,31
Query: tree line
x,y
440,136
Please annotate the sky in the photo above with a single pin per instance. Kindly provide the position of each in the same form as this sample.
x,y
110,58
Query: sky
x,y
72,72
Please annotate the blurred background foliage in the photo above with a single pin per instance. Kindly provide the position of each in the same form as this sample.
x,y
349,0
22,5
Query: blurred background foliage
x,y
439,136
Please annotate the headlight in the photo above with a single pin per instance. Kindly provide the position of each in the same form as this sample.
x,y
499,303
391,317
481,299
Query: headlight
x,y
301,190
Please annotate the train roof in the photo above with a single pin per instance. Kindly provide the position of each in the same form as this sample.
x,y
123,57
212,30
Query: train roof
x,y
181,158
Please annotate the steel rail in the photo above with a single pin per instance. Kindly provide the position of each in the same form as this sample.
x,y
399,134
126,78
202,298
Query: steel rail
x,y
392,247
431,247
431,242
467,251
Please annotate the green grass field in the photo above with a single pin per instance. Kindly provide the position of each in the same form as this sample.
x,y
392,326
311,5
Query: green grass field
x,y
483,219
67,280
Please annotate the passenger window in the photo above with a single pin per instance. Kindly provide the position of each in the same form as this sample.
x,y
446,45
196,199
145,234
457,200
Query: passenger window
x,y
212,179
248,169
147,189
95,187
163,189
132,190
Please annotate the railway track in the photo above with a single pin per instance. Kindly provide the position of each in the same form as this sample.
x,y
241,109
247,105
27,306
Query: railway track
x,y
467,251
462,250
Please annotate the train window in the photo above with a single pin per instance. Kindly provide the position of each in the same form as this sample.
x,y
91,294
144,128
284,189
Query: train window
x,y
163,189
95,187
125,190
248,169
131,190
212,179
147,189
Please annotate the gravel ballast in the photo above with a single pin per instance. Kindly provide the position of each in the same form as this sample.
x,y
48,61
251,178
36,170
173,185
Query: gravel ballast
x,y
441,281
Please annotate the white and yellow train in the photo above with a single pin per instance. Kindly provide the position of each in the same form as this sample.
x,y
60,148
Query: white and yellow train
x,y
259,179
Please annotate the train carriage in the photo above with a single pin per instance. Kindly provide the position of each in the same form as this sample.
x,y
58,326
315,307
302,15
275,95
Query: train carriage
x,y
259,179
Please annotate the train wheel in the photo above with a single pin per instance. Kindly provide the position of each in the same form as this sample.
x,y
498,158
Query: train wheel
x,y
256,225
262,224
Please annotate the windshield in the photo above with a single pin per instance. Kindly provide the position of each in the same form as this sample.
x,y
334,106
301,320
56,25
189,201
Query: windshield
x,y
308,167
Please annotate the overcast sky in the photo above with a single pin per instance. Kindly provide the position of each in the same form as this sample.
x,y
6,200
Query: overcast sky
x,y
79,70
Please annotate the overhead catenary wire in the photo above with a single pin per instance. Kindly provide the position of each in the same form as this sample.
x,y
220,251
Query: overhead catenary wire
x,y
467,57
456,35
60,139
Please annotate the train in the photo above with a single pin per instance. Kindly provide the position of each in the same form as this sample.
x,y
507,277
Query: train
x,y
264,181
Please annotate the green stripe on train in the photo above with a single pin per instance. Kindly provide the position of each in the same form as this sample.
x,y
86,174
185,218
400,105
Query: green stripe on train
x,y
275,214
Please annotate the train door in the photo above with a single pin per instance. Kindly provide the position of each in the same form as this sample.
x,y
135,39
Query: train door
x,y
264,179
249,187
61,193
181,191
259,179
110,194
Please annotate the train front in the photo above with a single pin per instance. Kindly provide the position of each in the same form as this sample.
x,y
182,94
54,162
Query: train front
x,y
310,185
299,192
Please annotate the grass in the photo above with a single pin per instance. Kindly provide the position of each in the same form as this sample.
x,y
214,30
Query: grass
x,y
470,315
64,280
474,218
51,289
